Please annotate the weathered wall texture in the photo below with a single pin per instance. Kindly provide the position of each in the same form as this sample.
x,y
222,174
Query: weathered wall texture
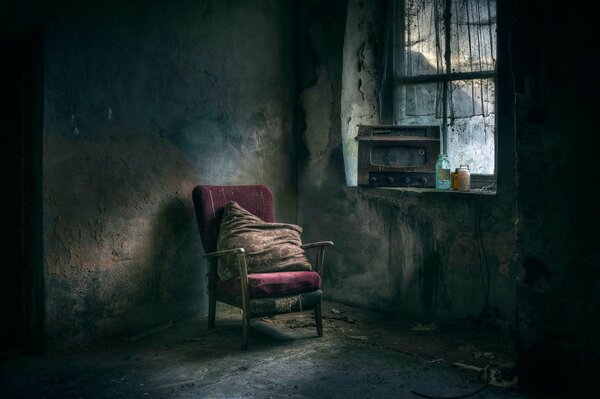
x,y
396,251
362,68
417,253
144,100
558,295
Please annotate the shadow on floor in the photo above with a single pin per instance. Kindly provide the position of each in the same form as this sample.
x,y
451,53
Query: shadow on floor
x,y
362,354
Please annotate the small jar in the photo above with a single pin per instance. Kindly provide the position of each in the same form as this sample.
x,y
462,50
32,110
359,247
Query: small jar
x,y
463,177
455,179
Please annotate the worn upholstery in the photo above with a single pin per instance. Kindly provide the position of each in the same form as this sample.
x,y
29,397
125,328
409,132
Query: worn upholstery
x,y
286,304
265,293
209,202
270,247
266,285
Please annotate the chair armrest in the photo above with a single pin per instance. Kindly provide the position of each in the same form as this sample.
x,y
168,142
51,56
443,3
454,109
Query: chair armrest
x,y
242,268
317,244
225,252
321,246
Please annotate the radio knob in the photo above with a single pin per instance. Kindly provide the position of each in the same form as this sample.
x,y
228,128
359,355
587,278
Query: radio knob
x,y
407,180
390,179
424,180
373,179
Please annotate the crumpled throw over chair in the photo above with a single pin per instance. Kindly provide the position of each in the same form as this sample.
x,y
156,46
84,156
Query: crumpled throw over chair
x,y
260,294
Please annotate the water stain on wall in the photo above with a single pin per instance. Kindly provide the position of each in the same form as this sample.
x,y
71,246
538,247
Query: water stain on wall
x,y
142,102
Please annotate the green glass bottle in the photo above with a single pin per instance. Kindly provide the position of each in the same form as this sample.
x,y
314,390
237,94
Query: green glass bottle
x,y
442,173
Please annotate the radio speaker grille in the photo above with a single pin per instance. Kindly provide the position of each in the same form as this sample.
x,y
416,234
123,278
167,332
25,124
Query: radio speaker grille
x,y
398,156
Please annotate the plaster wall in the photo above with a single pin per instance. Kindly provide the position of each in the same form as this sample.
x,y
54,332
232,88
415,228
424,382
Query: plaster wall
x,y
398,251
420,253
142,101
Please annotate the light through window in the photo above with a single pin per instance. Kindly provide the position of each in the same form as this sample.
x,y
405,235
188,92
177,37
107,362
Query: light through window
x,y
444,69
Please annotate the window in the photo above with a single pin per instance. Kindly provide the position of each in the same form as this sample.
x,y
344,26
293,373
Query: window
x,y
444,73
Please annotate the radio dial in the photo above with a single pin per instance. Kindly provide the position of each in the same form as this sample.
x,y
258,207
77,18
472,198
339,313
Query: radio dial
x,y
423,180
407,180
390,179
373,179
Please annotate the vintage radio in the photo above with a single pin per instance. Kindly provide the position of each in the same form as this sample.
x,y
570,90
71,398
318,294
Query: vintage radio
x,y
397,156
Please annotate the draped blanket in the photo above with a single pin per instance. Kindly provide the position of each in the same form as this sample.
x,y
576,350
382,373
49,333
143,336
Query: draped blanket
x,y
270,247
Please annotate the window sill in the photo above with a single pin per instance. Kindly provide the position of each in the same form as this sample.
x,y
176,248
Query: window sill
x,y
480,185
418,190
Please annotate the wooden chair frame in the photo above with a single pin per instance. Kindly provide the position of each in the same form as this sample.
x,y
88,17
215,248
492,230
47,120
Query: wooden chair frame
x,y
243,300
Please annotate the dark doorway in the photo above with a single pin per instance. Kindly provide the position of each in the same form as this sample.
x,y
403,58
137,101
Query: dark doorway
x,y
20,172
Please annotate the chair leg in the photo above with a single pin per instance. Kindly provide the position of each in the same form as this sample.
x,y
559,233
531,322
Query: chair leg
x,y
245,328
319,320
212,310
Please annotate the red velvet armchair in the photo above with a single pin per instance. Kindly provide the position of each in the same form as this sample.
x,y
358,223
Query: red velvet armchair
x,y
260,294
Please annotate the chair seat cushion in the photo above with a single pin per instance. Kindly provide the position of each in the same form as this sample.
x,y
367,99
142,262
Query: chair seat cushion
x,y
267,285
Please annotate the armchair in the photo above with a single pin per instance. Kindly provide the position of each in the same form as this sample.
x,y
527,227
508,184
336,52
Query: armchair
x,y
259,294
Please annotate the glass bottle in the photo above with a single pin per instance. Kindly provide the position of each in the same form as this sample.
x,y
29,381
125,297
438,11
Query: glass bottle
x,y
442,173
455,179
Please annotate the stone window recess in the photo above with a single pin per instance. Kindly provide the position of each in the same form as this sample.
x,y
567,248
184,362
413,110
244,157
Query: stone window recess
x,y
440,69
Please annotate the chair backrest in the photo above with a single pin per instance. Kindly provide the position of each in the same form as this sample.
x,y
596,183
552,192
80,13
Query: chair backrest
x,y
209,202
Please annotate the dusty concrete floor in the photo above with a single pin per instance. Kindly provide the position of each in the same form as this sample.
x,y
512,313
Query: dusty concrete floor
x,y
362,355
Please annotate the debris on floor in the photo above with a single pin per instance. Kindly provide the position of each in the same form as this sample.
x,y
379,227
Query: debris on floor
x,y
485,355
299,323
359,349
425,327
503,376
341,318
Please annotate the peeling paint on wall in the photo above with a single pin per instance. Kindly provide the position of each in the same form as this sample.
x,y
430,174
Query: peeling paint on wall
x,y
398,251
360,77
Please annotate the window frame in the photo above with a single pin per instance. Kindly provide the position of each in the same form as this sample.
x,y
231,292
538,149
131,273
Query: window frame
x,y
400,80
